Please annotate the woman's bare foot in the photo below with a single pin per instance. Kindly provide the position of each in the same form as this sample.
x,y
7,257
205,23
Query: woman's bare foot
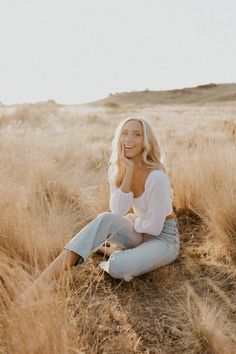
x,y
46,281
34,292
131,216
108,251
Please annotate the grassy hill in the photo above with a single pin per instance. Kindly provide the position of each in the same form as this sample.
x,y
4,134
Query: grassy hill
x,y
191,95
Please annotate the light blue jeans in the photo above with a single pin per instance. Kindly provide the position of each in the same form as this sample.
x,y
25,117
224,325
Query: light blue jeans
x,y
141,252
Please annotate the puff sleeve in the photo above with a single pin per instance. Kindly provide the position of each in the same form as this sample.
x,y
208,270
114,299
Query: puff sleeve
x,y
119,202
158,200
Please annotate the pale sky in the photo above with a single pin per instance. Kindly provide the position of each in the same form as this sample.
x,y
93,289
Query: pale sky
x,y
75,51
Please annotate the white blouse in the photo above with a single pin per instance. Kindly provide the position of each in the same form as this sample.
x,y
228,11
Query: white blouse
x,y
151,208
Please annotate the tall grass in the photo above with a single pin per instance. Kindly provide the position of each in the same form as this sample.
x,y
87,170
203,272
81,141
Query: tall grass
x,y
54,181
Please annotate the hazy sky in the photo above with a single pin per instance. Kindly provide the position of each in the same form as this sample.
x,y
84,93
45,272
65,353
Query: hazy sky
x,y
76,51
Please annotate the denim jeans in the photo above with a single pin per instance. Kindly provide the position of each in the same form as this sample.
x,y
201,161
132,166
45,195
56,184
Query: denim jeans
x,y
140,252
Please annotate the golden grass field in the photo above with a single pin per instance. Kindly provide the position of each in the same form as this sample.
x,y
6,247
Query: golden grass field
x,y
54,181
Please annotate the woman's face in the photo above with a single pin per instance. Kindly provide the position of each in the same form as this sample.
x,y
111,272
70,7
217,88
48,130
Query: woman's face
x,y
132,138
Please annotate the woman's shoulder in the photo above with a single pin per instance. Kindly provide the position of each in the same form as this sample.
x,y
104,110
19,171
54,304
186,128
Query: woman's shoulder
x,y
157,172
157,176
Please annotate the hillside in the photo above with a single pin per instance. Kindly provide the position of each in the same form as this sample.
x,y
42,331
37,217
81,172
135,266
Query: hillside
x,y
194,95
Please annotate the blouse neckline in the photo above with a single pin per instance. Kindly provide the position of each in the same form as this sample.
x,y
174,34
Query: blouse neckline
x,y
145,185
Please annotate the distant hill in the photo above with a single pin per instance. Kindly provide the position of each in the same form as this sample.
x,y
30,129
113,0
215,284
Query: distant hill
x,y
208,93
199,94
49,103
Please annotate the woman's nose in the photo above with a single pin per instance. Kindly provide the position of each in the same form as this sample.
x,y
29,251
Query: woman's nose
x,y
128,140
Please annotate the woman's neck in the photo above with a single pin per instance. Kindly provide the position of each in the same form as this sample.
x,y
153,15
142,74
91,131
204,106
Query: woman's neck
x,y
138,167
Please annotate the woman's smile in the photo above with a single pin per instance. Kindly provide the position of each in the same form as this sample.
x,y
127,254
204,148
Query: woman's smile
x,y
129,147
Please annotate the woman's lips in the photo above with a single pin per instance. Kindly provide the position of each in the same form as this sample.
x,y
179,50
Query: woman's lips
x,y
129,148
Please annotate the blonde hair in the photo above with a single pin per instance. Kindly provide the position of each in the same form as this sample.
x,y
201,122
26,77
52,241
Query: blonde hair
x,y
151,154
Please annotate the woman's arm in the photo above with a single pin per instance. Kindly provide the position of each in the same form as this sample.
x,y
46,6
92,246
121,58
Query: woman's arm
x,y
126,184
159,200
121,198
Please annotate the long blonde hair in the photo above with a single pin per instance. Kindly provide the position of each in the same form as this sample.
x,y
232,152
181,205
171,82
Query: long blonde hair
x,y
151,154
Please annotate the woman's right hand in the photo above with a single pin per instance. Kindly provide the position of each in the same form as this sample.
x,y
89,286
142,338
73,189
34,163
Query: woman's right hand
x,y
128,163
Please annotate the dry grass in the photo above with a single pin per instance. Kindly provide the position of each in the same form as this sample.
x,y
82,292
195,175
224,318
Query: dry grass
x,y
54,181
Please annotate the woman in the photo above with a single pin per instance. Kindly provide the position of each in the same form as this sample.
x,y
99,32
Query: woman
x,y
142,241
